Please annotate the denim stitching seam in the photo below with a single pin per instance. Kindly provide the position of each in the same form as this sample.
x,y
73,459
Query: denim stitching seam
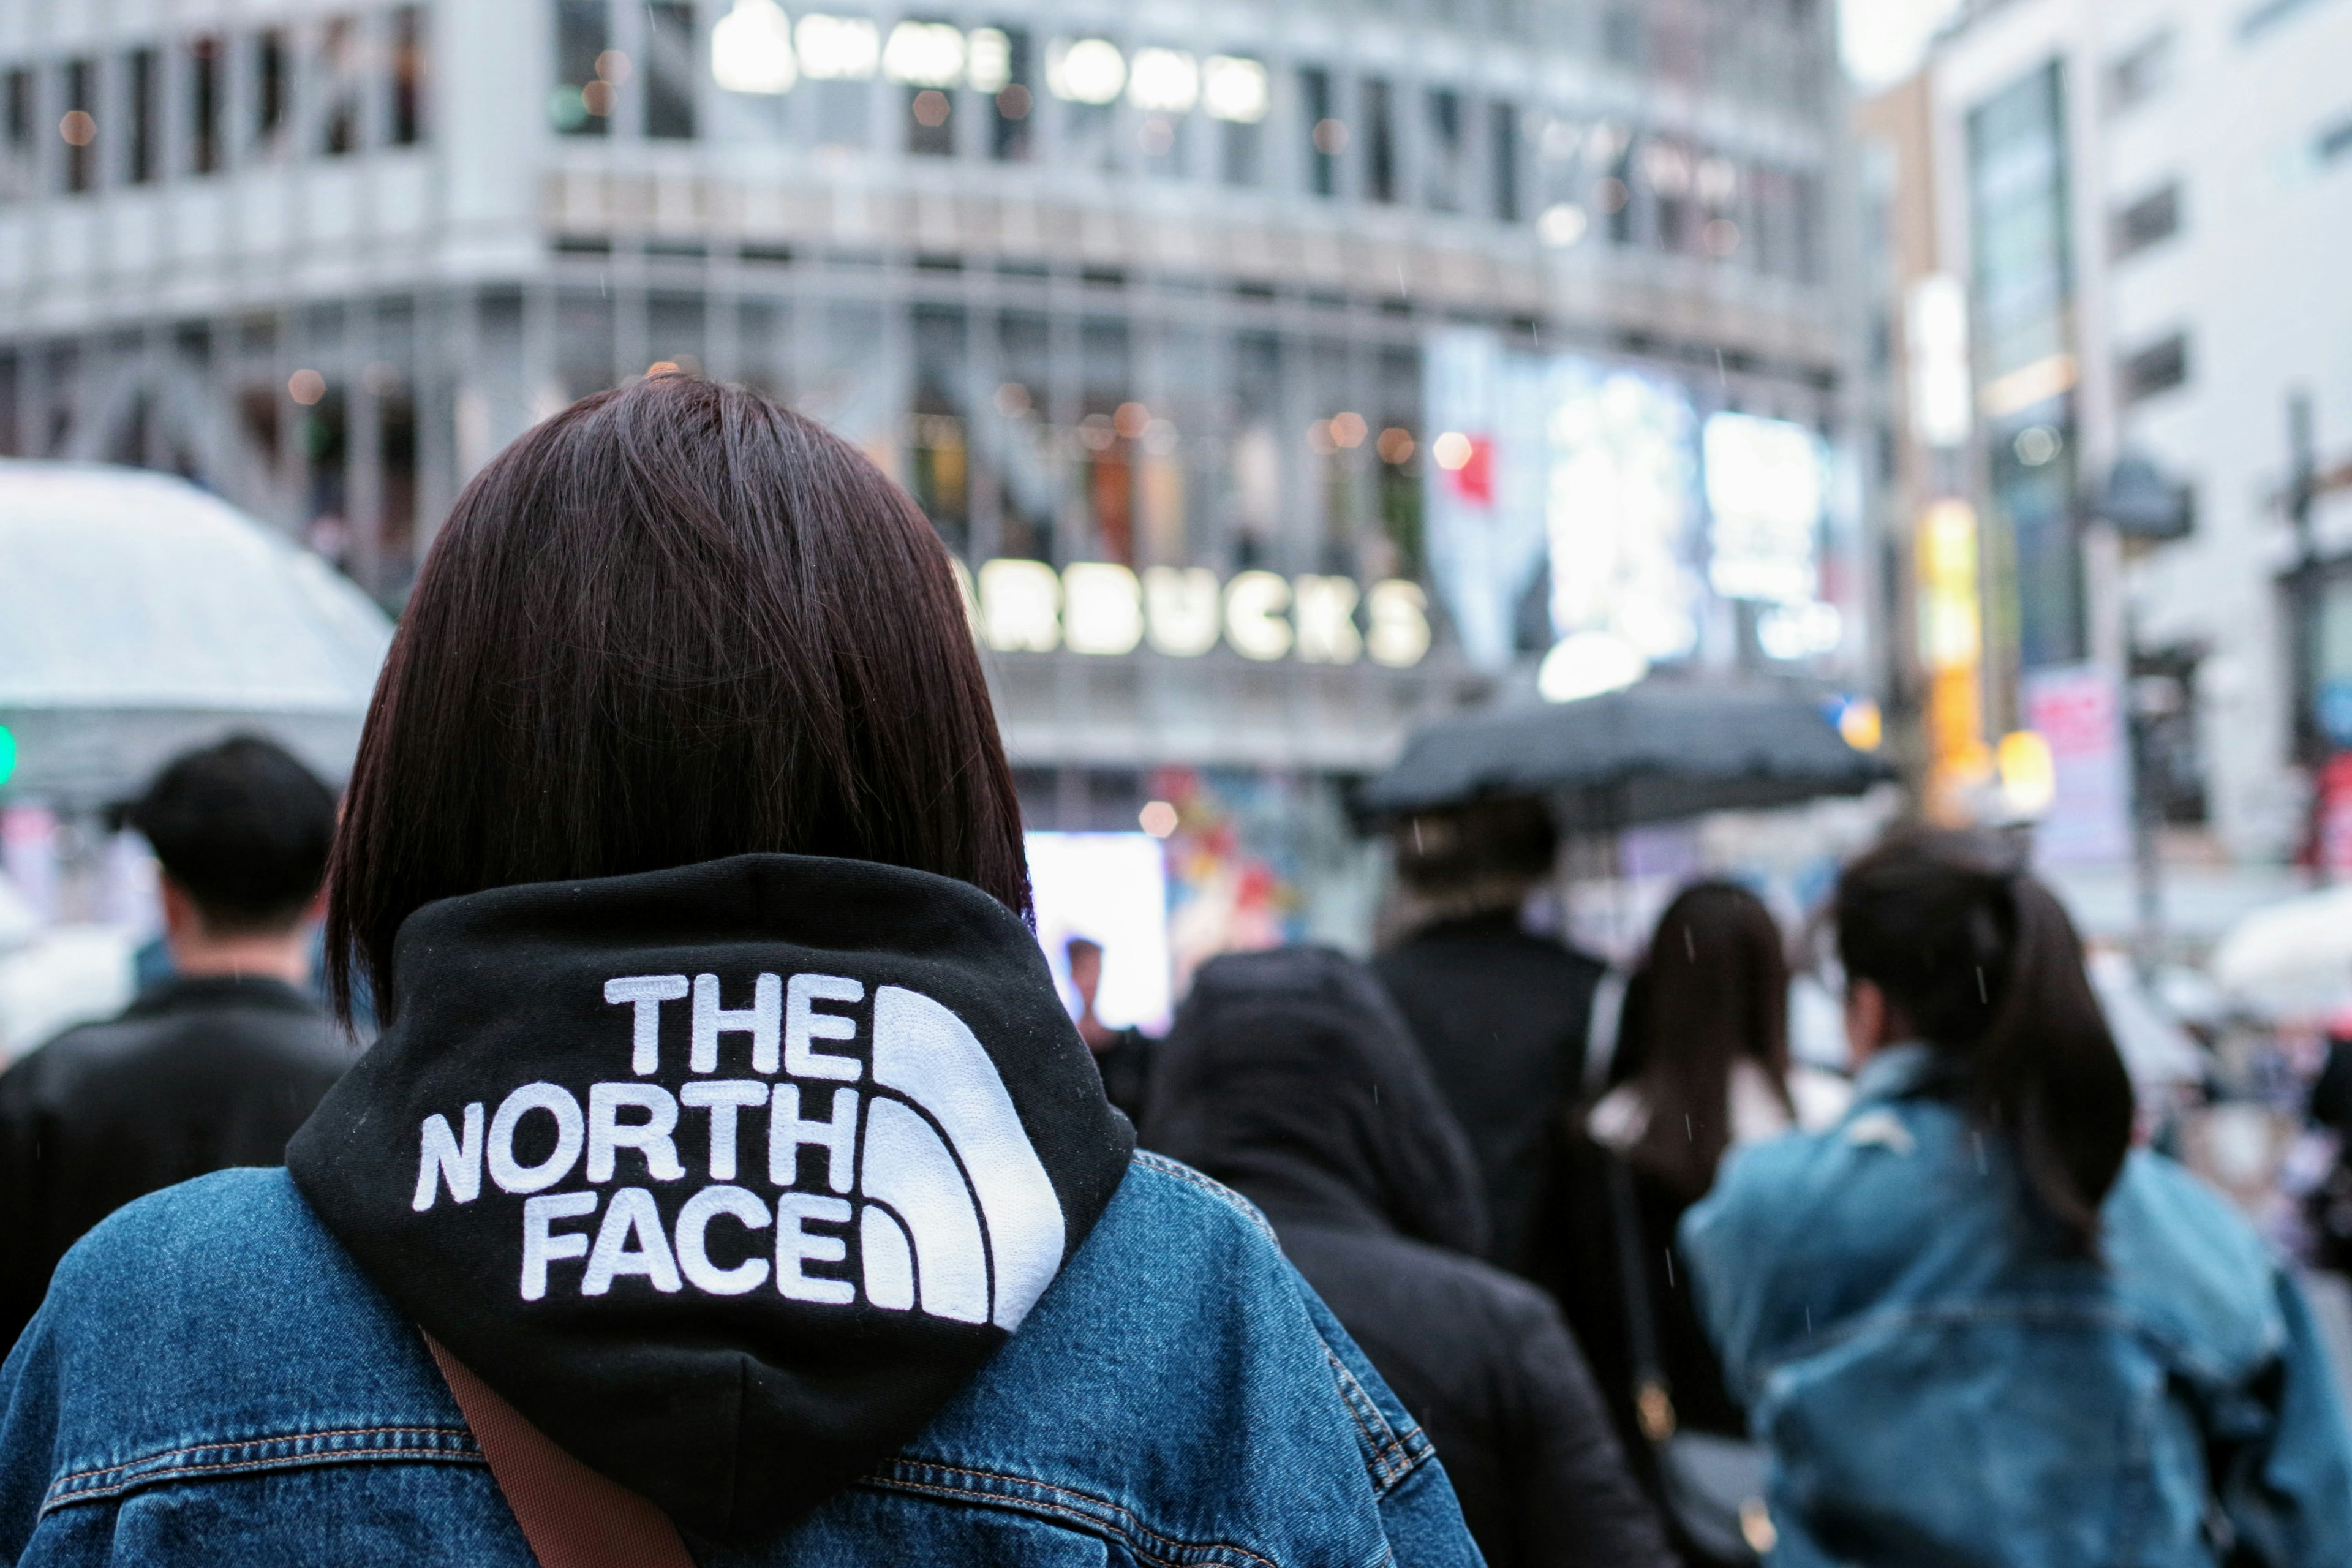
x,y
290,1451
1104,1515
1215,1189
249,1442
1390,1455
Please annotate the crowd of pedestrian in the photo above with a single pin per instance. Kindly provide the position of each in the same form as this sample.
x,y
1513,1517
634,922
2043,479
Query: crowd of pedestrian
x,y
729,1183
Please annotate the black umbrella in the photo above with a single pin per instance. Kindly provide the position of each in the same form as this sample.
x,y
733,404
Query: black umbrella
x,y
1661,749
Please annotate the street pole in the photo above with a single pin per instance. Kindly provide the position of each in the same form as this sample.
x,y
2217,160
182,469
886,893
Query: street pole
x,y
2148,869
2136,500
2302,593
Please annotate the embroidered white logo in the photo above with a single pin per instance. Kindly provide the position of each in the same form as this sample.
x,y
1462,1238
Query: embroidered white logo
x,y
950,1208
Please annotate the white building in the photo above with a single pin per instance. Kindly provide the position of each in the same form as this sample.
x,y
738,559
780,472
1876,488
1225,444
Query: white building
x,y
2151,202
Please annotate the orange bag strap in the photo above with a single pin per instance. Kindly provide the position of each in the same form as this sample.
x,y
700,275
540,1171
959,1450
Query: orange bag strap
x,y
572,1516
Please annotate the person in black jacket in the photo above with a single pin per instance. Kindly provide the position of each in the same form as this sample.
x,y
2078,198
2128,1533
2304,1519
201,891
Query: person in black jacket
x,y
1289,1076
214,1067
1502,1014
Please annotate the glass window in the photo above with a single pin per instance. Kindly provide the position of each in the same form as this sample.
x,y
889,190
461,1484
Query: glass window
x,y
2150,220
2138,75
670,73
1326,136
142,82
1669,174
79,128
1240,161
1613,192
408,76
1011,109
2169,753
1108,433
939,461
2159,367
1380,142
582,101
1503,159
342,88
18,150
272,89
2018,220
1442,168
2035,555
931,121
203,104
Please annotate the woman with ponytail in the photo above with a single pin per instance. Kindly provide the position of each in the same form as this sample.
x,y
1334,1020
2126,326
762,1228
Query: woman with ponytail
x,y
1973,1324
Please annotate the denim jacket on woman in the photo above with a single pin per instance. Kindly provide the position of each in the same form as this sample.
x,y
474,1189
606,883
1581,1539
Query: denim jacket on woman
x,y
873,1275
1940,1383
214,1380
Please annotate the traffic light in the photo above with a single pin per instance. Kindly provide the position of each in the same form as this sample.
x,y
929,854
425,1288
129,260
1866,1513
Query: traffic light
x,y
7,754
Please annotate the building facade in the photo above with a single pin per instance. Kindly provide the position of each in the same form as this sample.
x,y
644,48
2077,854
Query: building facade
x,y
2136,207
1141,302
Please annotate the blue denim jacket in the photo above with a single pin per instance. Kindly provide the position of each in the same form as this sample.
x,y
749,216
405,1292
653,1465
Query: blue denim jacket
x,y
1939,1384
212,1380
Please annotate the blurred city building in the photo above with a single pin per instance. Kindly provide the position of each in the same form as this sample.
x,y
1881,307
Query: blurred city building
x,y
2117,438
1282,373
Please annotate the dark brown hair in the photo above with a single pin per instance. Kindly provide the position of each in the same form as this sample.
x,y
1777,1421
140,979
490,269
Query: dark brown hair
x,y
1714,989
1983,964
675,622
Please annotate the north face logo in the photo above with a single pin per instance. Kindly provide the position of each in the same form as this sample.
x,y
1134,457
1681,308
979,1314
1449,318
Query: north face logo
x,y
924,1164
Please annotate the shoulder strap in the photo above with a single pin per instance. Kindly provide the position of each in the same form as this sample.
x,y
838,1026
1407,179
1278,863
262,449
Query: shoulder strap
x,y
572,1516
1654,1403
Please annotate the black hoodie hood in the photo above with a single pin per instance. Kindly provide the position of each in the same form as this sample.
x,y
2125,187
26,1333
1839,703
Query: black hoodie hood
x,y
727,1176
1290,1077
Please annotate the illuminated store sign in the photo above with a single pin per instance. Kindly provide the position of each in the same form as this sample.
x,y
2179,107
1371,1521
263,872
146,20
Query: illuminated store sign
x,y
1619,504
1101,607
1764,492
1552,459
1951,648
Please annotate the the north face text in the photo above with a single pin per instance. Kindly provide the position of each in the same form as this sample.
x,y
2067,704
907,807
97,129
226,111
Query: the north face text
x,y
900,1177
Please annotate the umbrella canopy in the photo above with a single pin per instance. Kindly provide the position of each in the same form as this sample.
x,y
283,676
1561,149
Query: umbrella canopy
x,y
1661,749
2295,957
140,614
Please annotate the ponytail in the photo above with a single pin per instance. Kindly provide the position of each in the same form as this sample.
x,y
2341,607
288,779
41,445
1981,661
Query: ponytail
x,y
1982,963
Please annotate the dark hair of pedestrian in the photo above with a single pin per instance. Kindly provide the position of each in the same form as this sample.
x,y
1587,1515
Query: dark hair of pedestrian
x,y
1713,992
243,828
674,623
1980,961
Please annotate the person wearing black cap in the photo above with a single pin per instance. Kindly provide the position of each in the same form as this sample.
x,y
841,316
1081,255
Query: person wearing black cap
x,y
213,1067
